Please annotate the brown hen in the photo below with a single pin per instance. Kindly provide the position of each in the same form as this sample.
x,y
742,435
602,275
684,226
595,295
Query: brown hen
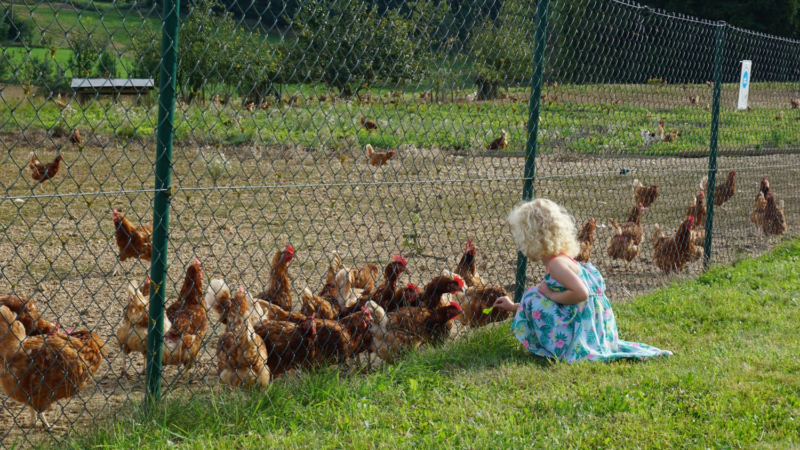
x,y
39,370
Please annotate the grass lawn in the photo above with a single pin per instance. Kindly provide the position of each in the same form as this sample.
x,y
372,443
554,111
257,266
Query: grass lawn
x,y
574,124
119,23
734,382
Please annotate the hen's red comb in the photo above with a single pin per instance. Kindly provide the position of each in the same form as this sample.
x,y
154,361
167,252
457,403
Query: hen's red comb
x,y
467,245
197,261
399,259
459,280
455,305
289,249
241,288
412,286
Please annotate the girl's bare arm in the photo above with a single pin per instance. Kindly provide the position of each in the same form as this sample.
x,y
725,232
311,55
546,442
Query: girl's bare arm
x,y
575,292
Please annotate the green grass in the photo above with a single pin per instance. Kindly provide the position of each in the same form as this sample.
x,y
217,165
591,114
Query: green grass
x,y
567,125
118,22
734,382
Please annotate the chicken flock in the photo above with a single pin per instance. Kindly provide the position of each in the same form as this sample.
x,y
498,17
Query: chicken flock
x,y
265,336
672,254
349,317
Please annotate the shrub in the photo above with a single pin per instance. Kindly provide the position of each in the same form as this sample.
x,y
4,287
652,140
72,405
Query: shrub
x,y
347,45
16,31
86,49
107,65
503,49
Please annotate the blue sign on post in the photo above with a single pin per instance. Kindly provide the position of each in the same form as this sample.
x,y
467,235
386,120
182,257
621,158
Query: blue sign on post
x,y
744,86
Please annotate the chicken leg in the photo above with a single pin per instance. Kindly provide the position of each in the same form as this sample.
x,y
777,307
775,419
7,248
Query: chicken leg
x,y
35,415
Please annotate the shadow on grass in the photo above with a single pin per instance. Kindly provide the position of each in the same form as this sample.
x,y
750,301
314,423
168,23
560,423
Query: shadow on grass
x,y
481,349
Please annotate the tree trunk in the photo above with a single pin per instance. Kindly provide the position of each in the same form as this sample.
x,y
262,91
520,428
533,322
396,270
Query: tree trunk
x,y
487,90
345,91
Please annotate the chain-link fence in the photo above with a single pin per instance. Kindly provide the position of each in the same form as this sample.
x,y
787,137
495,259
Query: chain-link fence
x,y
389,138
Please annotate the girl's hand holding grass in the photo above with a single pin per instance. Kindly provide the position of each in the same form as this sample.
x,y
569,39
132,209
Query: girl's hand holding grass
x,y
505,303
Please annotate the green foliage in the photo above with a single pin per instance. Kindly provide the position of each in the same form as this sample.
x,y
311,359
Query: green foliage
x,y
107,65
38,71
502,49
86,47
347,45
5,70
17,30
256,69
774,17
229,54
145,55
202,61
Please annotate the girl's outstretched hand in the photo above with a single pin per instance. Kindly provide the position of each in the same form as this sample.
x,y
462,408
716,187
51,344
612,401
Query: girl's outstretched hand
x,y
505,303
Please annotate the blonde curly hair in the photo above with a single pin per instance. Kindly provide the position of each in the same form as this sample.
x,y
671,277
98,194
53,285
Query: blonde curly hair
x,y
541,228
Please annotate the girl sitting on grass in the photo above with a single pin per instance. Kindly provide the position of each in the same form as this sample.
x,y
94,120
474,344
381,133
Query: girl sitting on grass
x,y
567,316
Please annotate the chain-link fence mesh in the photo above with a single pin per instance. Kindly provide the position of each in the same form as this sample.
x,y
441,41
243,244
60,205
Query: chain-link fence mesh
x,y
278,105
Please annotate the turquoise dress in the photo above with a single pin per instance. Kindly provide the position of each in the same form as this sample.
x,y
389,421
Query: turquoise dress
x,y
586,331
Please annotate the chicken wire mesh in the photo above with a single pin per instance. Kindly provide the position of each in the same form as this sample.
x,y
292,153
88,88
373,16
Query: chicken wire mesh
x,y
350,134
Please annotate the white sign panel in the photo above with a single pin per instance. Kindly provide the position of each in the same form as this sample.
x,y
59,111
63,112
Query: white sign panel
x,y
744,84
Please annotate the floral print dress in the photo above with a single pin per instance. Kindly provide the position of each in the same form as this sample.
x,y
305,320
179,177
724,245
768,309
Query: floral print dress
x,y
586,331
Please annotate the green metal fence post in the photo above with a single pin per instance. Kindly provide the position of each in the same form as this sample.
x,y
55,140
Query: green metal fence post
x,y
531,146
166,131
712,155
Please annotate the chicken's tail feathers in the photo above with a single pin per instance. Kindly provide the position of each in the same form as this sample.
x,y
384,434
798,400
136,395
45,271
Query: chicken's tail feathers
x,y
11,334
306,296
33,161
637,184
217,290
616,229
133,290
657,234
370,150
334,266
704,183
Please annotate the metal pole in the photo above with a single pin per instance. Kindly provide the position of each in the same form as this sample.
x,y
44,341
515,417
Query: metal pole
x,y
531,147
165,132
712,155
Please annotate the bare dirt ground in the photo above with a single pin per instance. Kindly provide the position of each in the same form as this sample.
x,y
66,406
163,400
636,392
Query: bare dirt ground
x,y
58,247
